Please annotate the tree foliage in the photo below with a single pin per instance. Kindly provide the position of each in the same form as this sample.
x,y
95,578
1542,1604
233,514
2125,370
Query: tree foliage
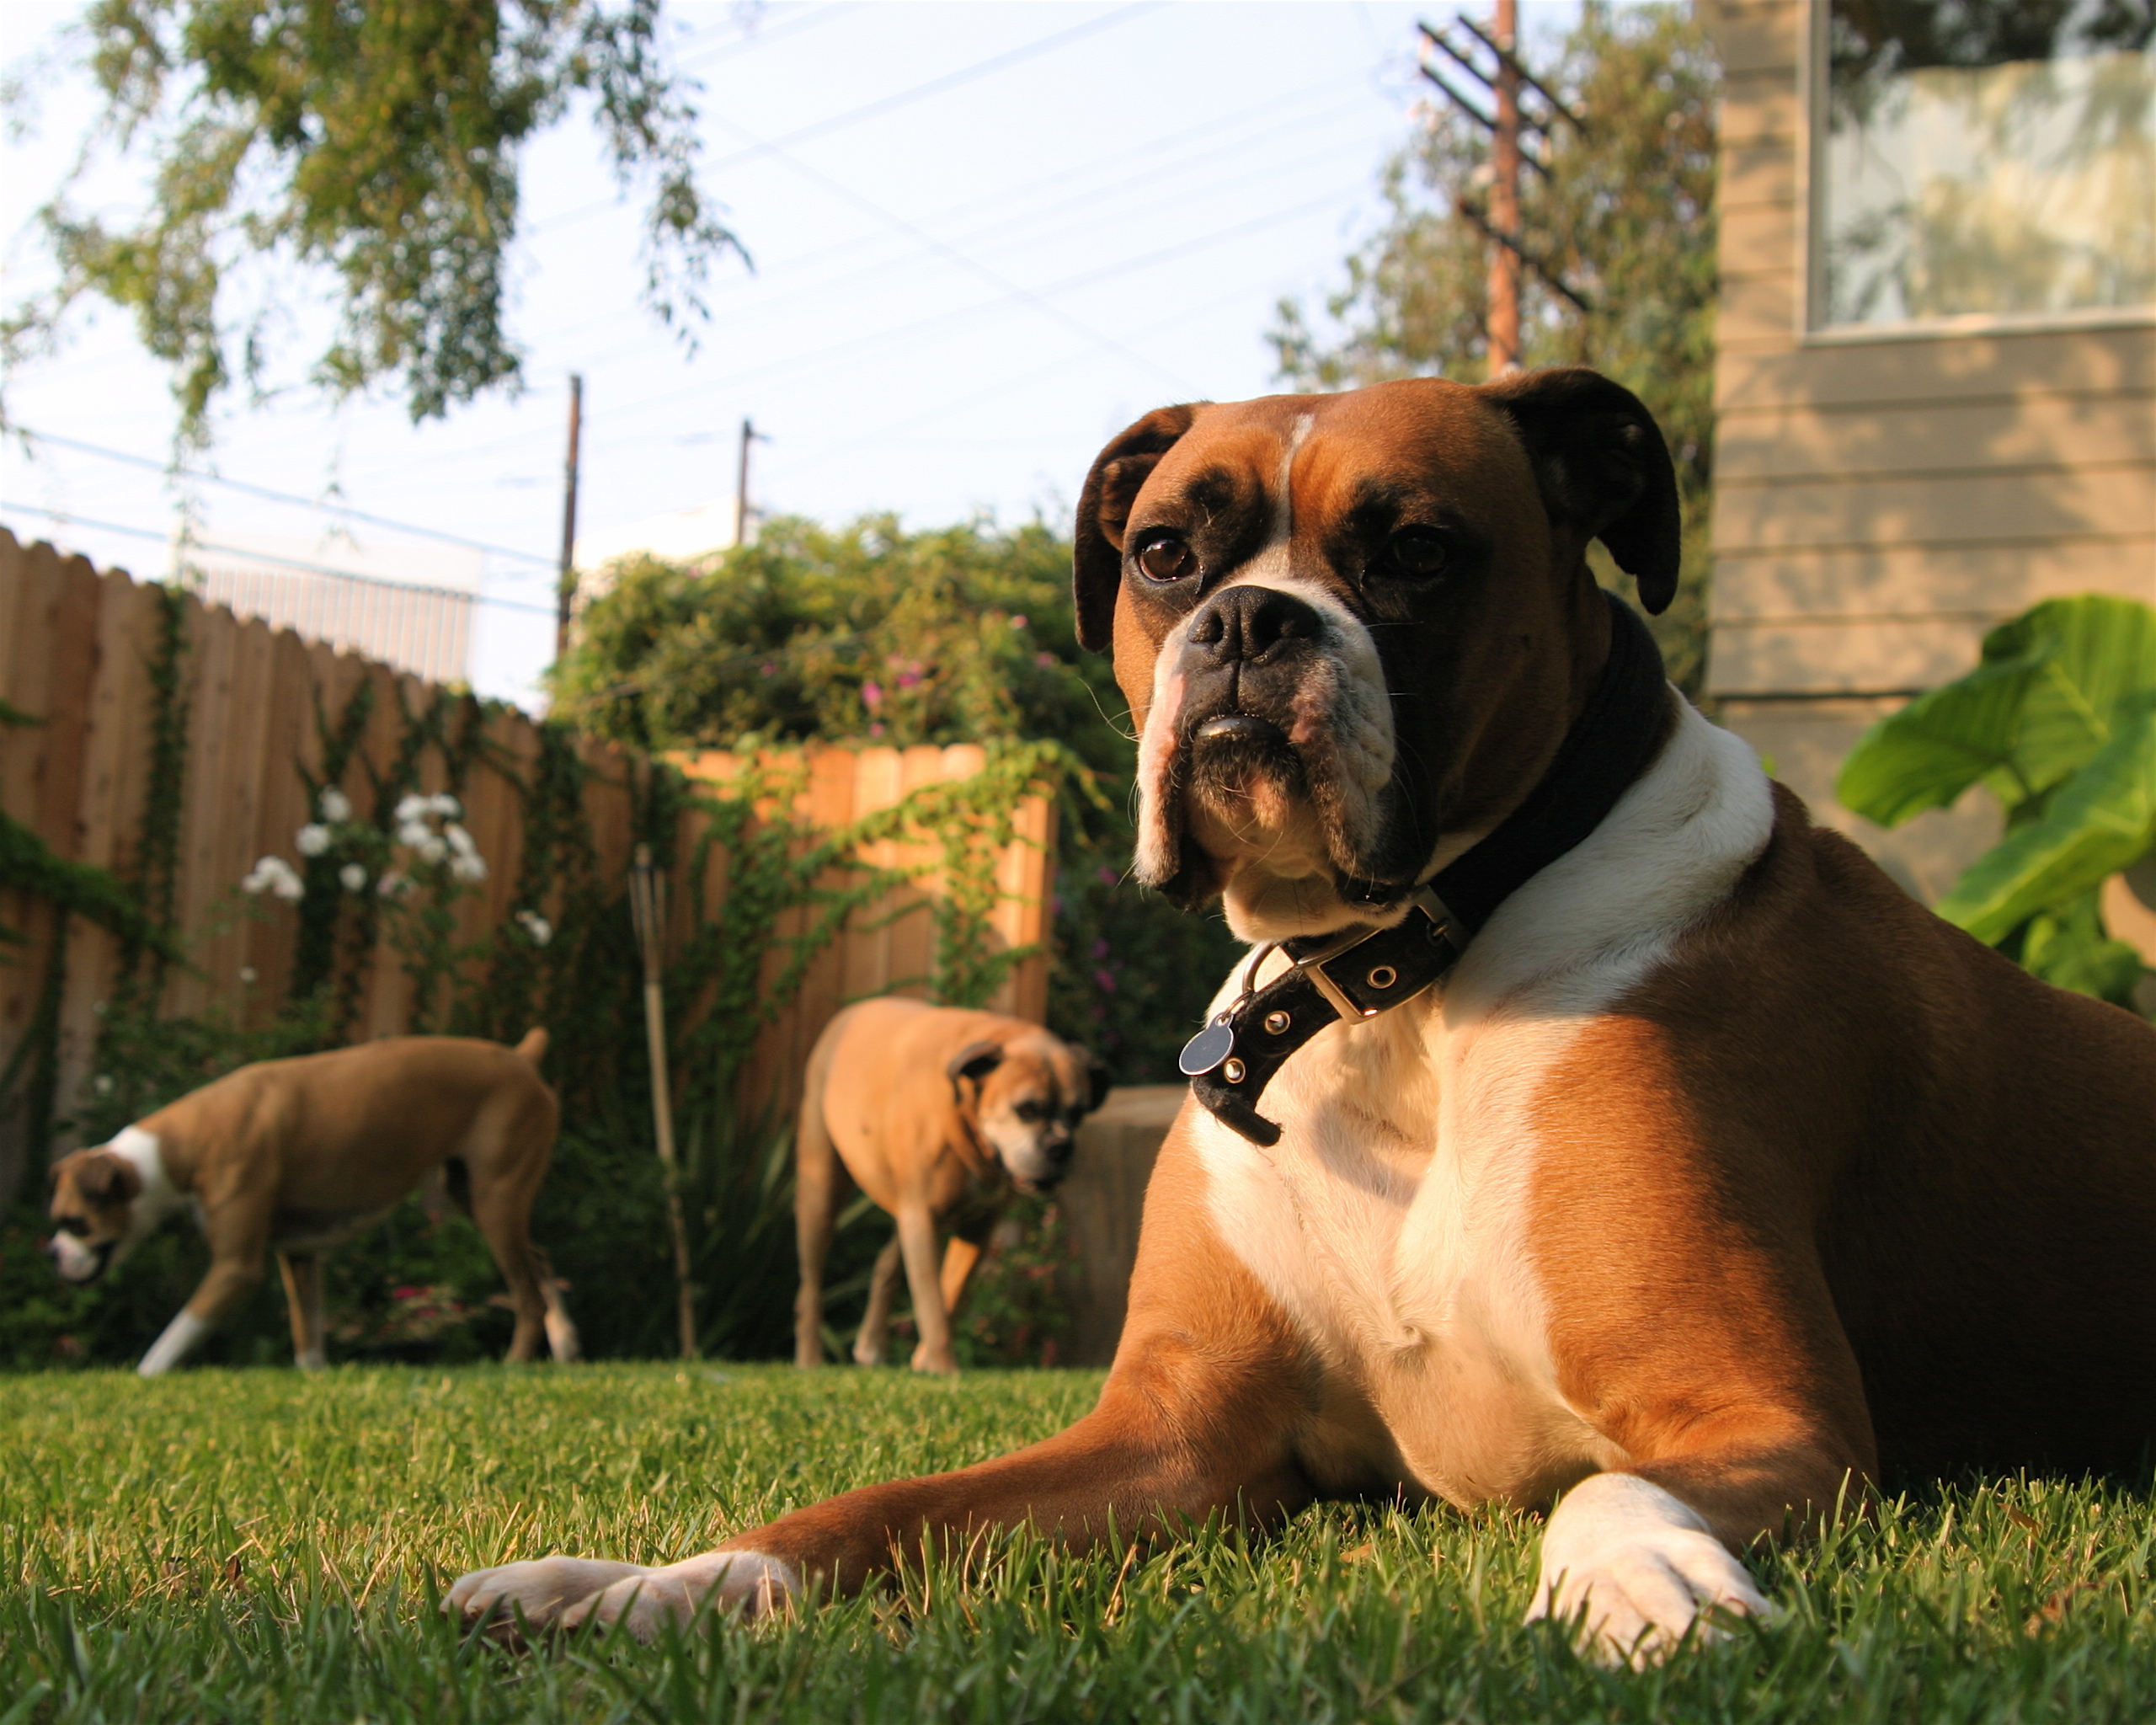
x,y
869,633
2059,720
378,141
1625,219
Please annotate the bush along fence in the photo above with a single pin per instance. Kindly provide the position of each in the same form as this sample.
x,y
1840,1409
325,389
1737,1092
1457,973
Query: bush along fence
x,y
219,843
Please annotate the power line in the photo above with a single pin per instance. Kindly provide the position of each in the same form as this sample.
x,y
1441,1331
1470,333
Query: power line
x,y
289,563
886,104
264,491
845,353
1148,149
1011,290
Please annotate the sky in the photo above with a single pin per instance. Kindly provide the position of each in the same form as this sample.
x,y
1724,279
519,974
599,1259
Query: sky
x,y
985,238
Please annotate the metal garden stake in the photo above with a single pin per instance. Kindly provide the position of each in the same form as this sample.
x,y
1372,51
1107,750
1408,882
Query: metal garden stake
x,y
648,911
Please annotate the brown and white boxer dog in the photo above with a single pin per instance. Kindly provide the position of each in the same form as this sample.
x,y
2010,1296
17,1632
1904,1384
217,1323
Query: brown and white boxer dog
x,y
296,1157
939,1115
1700,1173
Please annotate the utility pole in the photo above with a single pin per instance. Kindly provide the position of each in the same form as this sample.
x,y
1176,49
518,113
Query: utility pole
x,y
1509,126
749,435
1504,193
565,589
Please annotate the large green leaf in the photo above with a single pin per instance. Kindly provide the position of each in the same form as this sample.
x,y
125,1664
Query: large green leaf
x,y
2101,666
2098,821
2053,686
1941,744
2067,947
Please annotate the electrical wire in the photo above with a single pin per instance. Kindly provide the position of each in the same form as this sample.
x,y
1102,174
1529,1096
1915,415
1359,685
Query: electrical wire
x,y
289,563
264,491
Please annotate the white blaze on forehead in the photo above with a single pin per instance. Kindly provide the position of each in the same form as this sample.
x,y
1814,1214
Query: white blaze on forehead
x,y
1284,496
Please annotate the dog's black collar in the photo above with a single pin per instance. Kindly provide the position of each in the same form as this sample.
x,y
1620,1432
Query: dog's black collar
x,y
1356,975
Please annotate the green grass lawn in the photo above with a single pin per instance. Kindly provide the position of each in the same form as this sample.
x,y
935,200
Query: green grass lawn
x,y
255,1545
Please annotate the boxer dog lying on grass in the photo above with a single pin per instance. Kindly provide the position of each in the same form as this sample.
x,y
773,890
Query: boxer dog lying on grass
x,y
1589,1131
297,1157
939,1115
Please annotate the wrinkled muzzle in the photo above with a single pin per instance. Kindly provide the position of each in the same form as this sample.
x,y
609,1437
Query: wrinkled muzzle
x,y
77,1260
1269,742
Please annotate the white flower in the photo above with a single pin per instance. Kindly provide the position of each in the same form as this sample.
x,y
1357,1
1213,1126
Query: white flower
x,y
333,805
469,867
537,926
431,848
248,974
411,807
443,803
460,840
312,839
274,875
354,876
414,834
102,1084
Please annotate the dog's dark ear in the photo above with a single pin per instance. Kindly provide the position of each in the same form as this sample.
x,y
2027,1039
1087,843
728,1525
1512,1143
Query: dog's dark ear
x,y
104,1180
1097,1078
1103,510
1602,467
975,1061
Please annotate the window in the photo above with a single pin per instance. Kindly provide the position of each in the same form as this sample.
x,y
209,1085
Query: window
x,y
1985,157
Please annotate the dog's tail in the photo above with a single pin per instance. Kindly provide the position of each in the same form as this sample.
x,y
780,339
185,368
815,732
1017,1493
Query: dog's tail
x,y
533,1048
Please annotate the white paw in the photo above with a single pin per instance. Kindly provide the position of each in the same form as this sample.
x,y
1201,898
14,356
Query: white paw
x,y
541,1590
746,1585
1636,1568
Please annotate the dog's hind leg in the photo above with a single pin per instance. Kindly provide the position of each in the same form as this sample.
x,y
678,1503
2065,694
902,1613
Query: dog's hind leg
x,y
817,1182
505,1161
876,1322
302,1273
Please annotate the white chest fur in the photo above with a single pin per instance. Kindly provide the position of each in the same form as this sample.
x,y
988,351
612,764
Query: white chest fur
x,y
1390,1222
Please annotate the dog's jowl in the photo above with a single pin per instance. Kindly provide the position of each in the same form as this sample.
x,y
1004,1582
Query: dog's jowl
x,y
1589,1131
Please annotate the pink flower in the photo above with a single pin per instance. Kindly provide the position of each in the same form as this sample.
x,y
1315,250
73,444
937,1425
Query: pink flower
x,y
1018,622
876,731
907,679
1046,661
872,695
1105,980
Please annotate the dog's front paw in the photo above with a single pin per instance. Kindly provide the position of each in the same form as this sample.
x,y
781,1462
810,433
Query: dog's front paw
x,y
542,1591
746,1585
1638,1570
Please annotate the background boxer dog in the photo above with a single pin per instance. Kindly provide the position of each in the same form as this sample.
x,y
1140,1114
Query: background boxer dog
x,y
298,1156
1712,1175
938,1115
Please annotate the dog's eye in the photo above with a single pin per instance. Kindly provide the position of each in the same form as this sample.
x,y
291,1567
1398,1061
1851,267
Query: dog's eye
x,y
1027,1111
1418,551
1167,557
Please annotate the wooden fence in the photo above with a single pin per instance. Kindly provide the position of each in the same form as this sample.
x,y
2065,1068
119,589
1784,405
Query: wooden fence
x,y
77,651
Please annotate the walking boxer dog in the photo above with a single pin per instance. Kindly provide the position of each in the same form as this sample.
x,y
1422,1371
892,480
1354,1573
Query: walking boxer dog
x,y
298,1156
939,1115
1589,1129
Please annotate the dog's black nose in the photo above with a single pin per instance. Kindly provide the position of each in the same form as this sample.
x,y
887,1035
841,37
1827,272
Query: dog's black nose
x,y
1252,625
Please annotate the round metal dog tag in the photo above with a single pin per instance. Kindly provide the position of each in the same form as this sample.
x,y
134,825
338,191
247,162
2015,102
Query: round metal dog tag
x,y
1206,1050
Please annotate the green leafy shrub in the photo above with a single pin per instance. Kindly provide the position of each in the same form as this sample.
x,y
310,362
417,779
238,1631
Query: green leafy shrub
x,y
2058,721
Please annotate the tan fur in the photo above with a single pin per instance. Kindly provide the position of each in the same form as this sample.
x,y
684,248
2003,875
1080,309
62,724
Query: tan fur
x,y
880,1106
294,1156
